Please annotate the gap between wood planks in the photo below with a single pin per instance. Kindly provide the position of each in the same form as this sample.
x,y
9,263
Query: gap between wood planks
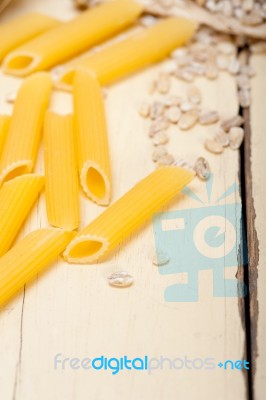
x,y
250,271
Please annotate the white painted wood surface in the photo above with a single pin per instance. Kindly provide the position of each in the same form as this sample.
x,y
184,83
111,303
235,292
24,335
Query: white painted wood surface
x,y
71,309
258,147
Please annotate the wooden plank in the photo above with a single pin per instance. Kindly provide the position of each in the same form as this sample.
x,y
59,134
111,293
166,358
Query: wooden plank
x,y
72,310
256,167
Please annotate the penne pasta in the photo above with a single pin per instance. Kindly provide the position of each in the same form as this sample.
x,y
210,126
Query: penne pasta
x,y
21,29
73,37
21,146
4,126
61,174
131,54
28,258
127,214
16,200
91,135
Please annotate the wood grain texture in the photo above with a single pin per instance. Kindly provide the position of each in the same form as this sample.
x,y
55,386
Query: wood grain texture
x,y
72,310
256,218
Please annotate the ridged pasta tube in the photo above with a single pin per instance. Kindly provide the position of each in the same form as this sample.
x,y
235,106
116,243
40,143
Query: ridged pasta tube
x,y
21,29
127,214
61,172
4,126
22,143
17,197
91,136
29,257
131,54
71,38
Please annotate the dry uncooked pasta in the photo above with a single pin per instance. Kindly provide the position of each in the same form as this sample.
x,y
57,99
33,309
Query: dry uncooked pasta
x,y
22,143
22,29
71,38
16,200
131,54
61,173
127,214
4,126
28,258
91,134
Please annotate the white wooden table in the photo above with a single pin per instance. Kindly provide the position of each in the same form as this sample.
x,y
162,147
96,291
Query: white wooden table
x,y
71,309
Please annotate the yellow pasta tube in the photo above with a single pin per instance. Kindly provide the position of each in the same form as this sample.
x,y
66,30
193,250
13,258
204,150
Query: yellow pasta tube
x,y
16,200
91,134
127,214
28,258
4,126
61,173
21,146
22,29
71,38
138,51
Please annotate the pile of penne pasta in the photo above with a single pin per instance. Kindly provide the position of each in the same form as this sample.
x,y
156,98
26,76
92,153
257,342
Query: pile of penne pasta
x,y
75,146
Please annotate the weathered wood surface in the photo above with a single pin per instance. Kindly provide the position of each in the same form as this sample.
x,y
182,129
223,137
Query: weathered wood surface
x,y
72,310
